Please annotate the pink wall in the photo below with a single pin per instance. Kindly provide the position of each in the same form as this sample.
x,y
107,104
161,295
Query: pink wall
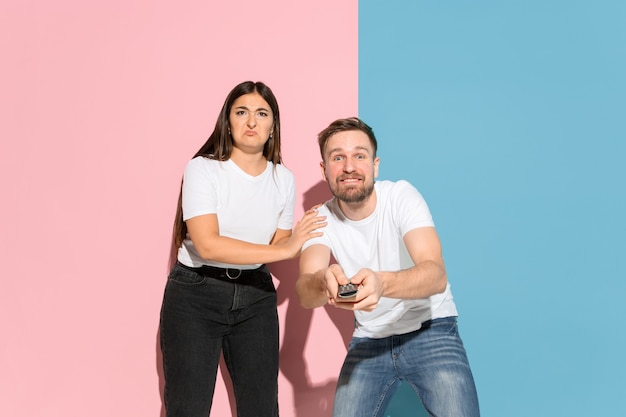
x,y
101,106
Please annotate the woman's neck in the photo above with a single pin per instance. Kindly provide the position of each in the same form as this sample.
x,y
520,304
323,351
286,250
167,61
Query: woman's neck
x,y
251,163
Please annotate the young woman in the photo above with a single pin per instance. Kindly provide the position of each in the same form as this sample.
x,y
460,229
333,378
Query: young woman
x,y
235,215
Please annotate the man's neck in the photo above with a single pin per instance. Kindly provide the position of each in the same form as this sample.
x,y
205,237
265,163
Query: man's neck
x,y
361,210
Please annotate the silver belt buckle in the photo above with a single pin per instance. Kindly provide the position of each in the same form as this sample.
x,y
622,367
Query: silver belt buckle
x,y
228,275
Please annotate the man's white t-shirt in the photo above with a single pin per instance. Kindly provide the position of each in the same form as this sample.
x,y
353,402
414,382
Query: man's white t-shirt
x,y
248,208
376,242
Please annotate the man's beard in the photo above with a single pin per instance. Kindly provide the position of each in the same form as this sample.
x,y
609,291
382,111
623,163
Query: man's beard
x,y
352,194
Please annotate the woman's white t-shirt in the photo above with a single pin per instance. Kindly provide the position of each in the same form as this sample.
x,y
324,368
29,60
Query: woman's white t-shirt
x,y
248,208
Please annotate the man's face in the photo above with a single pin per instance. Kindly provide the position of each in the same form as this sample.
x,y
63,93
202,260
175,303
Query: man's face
x,y
349,166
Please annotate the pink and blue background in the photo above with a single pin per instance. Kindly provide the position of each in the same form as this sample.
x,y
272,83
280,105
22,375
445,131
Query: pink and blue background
x,y
509,117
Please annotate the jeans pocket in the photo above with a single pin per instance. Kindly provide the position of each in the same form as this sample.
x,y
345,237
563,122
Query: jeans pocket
x,y
180,275
443,327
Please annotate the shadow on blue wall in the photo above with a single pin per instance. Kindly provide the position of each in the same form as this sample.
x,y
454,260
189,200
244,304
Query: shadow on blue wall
x,y
405,404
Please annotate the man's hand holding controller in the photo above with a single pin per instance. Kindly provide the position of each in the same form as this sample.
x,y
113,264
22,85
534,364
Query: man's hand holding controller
x,y
347,291
339,292
360,292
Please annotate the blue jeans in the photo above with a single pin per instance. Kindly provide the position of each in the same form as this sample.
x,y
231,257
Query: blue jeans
x,y
202,316
431,360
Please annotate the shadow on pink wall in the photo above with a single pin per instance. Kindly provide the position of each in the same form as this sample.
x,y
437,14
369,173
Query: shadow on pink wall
x,y
309,399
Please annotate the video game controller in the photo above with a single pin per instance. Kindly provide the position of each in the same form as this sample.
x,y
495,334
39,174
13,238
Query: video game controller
x,y
348,290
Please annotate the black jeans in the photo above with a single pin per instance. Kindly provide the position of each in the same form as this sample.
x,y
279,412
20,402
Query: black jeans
x,y
205,313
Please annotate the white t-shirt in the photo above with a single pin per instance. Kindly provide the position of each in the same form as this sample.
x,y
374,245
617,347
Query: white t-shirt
x,y
376,242
248,208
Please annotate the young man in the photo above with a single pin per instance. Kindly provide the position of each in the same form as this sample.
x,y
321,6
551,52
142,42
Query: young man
x,y
383,238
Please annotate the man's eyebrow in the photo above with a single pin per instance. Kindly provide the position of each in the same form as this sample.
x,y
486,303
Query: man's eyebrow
x,y
358,148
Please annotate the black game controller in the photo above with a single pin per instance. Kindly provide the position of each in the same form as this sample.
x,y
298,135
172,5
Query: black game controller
x,y
348,290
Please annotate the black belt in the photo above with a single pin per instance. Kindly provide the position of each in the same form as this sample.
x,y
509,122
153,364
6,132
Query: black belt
x,y
226,274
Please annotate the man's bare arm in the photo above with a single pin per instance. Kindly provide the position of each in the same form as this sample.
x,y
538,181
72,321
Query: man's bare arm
x,y
311,286
427,277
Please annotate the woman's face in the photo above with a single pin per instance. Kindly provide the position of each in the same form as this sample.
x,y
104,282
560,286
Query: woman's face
x,y
251,122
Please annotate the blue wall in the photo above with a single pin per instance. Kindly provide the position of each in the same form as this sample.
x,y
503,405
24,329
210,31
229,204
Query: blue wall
x,y
510,118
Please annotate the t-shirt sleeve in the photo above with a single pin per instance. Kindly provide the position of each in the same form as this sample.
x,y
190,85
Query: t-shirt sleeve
x,y
412,211
324,239
199,195
286,219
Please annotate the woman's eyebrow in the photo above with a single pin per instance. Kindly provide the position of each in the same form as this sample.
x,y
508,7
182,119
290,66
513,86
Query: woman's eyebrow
x,y
246,108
